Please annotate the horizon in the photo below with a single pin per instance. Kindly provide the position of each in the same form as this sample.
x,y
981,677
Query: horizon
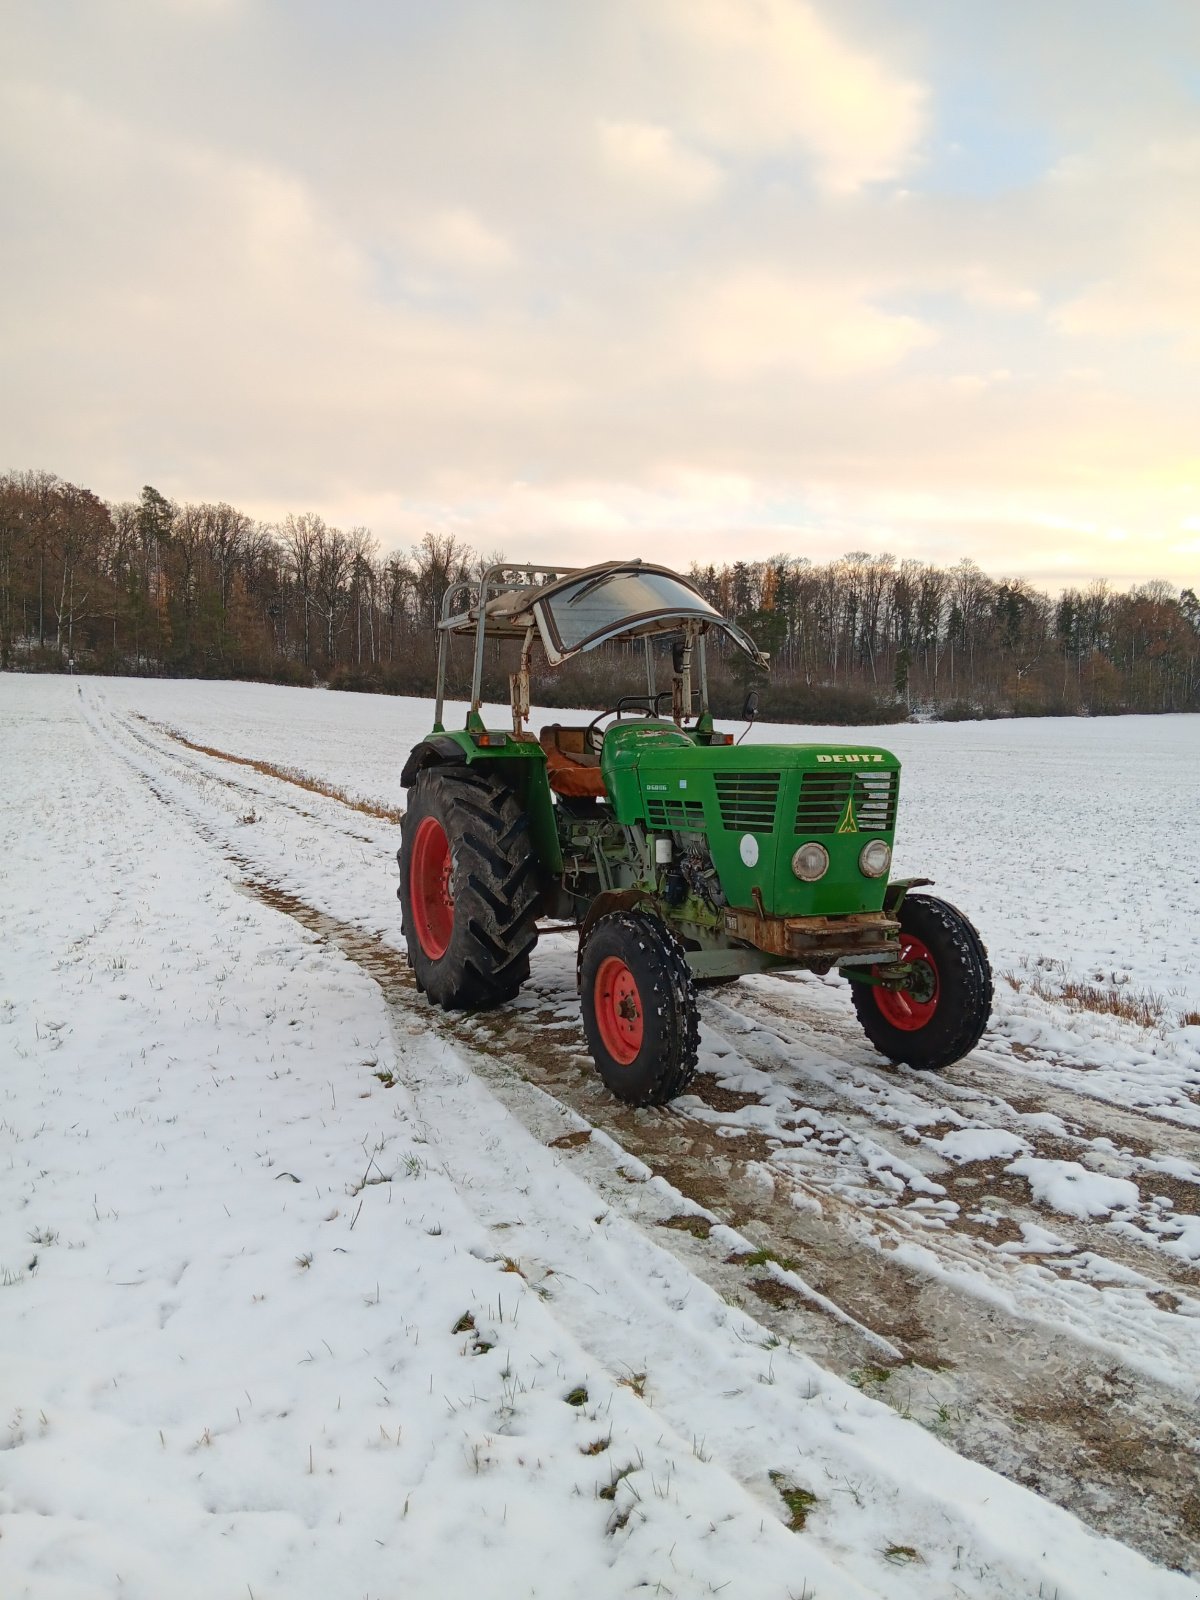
x,y
713,279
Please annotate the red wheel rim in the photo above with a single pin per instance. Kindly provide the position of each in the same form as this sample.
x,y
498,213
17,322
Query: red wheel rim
x,y
618,1010
429,887
905,1010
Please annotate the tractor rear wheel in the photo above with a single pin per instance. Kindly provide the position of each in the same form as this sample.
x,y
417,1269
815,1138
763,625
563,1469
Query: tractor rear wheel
x,y
941,1013
468,888
639,1008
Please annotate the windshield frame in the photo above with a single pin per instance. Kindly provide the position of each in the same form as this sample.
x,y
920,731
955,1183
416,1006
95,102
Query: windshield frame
x,y
636,624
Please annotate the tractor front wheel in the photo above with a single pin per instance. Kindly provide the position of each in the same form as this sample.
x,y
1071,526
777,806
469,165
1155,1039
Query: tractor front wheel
x,y
639,1008
468,888
942,1010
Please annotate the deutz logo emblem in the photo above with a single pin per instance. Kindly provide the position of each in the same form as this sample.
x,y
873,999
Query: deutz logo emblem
x,y
848,824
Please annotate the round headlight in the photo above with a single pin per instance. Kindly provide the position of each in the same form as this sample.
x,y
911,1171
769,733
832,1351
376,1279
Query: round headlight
x,y
875,858
810,862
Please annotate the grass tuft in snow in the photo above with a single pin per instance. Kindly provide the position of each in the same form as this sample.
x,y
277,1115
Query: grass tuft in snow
x,y
762,1258
870,1377
901,1555
609,1491
798,1501
1114,998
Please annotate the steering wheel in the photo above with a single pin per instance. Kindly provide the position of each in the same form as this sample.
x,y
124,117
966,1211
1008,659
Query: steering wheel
x,y
593,737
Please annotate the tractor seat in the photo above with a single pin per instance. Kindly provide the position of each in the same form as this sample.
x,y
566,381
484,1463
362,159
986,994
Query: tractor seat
x,y
572,770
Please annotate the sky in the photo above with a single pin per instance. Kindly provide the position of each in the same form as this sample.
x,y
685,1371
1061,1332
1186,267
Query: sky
x,y
697,279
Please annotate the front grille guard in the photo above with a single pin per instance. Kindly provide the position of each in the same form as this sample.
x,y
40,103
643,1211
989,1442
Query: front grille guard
x,y
847,802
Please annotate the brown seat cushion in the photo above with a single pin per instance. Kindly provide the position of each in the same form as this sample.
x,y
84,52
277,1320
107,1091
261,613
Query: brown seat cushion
x,y
571,770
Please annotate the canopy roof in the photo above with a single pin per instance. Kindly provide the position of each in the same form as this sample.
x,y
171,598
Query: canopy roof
x,y
578,609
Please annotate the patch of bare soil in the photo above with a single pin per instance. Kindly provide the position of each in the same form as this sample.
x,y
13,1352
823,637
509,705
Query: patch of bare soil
x,y
774,1291
994,1227
1164,1300
991,1201
698,1227
1084,1133
1184,1196
719,1098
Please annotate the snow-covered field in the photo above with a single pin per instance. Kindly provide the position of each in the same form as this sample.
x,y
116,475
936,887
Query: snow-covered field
x,y
308,1291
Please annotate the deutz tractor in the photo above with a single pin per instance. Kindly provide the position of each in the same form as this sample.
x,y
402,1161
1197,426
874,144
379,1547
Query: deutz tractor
x,y
682,858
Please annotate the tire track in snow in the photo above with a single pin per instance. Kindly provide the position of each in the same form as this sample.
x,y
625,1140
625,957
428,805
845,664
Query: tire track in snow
x,y
893,1122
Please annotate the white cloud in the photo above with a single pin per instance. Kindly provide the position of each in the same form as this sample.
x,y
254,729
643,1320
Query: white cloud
x,y
456,238
1138,240
757,319
770,75
987,288
654,160
1160,295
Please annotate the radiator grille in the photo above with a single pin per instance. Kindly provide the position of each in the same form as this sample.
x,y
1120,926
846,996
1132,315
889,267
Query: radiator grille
x,y
674,816
824,797
747,800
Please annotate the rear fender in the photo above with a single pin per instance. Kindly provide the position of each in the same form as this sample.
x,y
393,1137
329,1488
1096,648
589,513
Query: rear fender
x,y
439,750
520,763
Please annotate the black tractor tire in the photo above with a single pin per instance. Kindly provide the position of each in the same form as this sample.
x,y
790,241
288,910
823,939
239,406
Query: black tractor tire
x,y
469,888
944,1017
639,1008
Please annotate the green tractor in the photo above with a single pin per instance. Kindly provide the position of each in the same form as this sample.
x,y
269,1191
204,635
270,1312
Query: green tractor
x,y
682,858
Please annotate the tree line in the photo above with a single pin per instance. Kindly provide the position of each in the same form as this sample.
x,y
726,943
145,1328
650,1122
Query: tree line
x,y
956,639
151,586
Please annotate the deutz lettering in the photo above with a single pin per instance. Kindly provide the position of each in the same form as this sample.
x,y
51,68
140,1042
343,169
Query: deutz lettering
x,y
850,758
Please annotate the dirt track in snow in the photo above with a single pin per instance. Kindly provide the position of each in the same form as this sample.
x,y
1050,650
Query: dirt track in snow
x,y
1084,1429
1061,1351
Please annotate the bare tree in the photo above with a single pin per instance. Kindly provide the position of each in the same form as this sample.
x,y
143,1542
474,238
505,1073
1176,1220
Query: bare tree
x,y
333,564
301,536
439,561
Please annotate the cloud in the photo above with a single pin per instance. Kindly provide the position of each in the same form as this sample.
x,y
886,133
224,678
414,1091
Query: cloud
x,y
456,238
653,159
643,274
767,76
756,319
1158,295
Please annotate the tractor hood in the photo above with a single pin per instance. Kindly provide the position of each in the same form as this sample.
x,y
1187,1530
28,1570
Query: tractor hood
x,y
756,804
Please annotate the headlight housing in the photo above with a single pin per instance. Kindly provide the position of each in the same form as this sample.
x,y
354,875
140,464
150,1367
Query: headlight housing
x,y
810,862
875,858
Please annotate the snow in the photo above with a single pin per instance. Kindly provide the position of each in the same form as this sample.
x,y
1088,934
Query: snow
x,y
295,1302
1070,1188
979,1144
